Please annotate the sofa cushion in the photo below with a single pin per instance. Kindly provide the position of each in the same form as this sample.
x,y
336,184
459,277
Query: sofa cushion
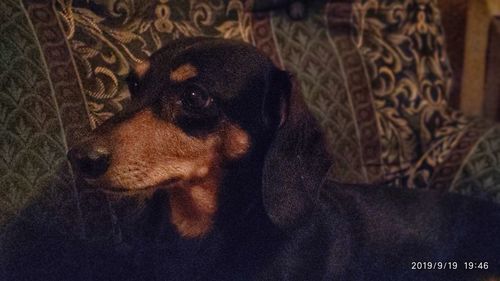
x,y
374,72
35,180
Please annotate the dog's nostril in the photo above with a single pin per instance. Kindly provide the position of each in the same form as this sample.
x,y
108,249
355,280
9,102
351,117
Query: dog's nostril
x,y
90,164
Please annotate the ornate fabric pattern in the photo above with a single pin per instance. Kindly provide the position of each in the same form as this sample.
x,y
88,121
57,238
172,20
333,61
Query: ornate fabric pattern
x,y
446,172
33,168
111,35
404,46
263,37
306,51
358,85
66,85
480,174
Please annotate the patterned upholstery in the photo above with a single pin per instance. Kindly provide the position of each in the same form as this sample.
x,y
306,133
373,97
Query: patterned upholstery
x,y
374,72
33,146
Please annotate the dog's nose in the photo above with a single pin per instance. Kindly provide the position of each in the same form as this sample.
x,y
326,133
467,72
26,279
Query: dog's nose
x,y
89,162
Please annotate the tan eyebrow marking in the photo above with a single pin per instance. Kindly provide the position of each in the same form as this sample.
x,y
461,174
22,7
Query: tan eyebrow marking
x,y
141,68
183,73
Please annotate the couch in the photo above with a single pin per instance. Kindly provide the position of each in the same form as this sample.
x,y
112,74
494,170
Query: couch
x,y
374,72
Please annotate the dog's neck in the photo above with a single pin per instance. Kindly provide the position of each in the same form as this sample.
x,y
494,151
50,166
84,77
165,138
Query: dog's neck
x,y
241,235
243,232
241,211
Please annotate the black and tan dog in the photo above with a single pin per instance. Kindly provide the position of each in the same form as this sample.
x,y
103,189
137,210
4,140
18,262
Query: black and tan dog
x,y
236,166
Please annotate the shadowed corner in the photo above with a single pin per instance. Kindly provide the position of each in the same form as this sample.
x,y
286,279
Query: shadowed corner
x,y
51,238
41,222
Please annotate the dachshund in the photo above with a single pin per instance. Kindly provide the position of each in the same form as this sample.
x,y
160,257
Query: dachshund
x,y
235,171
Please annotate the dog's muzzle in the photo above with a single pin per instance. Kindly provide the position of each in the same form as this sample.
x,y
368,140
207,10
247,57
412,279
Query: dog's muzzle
x,y
89,161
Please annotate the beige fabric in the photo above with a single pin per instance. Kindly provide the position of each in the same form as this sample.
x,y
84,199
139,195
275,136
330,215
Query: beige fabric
x,y
478,23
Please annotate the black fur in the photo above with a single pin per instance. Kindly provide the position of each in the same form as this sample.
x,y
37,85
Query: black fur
x,y
279,217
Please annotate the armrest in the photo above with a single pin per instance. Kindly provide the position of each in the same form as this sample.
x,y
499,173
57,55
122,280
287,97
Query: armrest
x,y
480,35
492,83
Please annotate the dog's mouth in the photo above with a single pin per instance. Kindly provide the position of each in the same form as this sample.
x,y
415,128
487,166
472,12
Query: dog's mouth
x,y
93,185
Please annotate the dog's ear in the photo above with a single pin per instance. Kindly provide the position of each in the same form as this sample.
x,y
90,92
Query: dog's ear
x,y
277,99
296,161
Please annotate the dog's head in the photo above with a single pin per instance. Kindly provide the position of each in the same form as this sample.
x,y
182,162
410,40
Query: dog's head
x,y
198,106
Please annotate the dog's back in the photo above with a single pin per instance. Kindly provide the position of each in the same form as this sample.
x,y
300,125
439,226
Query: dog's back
x,y
407,233
380,233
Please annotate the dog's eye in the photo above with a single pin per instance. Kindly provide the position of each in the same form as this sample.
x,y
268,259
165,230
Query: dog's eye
x,y
133,85
195,99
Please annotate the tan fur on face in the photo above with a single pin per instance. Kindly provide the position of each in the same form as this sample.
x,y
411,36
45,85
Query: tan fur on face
x,y
141,69
150,153
193,208
183,73
146,151
237,142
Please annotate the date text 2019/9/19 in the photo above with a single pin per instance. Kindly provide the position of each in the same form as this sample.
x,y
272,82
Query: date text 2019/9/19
x,y
429,265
